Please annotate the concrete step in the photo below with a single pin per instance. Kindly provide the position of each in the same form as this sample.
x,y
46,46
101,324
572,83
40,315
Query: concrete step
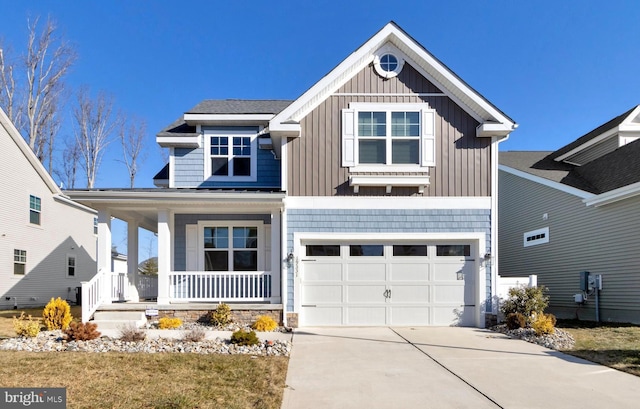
x,y
119,319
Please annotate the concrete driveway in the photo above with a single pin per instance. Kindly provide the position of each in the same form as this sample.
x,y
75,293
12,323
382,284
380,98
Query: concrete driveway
x,y
444,367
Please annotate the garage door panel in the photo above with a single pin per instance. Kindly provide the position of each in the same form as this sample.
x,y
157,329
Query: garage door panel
x,y
410,315
323,272
366,293
410,293
443,293
366,272
449,271
322,315
409,272
313,294
366,315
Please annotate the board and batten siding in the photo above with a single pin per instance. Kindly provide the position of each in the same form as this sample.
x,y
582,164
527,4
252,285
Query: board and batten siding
x,y
601,240
64,230
463,161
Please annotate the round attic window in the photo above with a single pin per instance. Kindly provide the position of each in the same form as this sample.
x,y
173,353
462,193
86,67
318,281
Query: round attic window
x,y
388,65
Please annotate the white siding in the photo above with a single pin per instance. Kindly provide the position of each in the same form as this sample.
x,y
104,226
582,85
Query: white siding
x,y
64,230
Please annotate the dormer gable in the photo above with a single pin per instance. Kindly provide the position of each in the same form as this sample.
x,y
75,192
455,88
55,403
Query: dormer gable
x,y
603,140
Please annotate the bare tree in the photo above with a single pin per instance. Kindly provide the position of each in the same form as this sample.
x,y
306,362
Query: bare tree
x,y
8,97
132,133
31,87
48,59
94,124
68,170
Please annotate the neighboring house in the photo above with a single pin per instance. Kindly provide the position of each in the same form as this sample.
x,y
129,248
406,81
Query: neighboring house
x,y
47,242
369,200
577,209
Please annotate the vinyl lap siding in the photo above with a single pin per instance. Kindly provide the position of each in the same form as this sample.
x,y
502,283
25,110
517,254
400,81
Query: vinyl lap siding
x,y
189,170
596,151
64,229
601,240
462,162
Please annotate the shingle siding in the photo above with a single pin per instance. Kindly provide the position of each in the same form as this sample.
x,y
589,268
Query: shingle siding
x,y
385,221
602,240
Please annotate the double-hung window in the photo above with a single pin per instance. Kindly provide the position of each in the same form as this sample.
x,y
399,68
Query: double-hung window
x,y
388,137
71,265
19,261
231,154
35,208
231,248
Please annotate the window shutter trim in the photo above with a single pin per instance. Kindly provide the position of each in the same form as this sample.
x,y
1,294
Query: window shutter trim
x,y
428,138
348,137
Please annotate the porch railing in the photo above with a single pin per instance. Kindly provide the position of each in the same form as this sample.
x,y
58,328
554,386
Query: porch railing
x,y
220,286
147,286
119,286
93,293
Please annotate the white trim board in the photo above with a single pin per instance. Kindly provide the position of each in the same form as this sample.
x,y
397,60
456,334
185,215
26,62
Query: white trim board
x,y
546,182
387,202
615,195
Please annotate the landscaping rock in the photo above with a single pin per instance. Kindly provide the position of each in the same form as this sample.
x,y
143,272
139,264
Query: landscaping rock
x,y
559,340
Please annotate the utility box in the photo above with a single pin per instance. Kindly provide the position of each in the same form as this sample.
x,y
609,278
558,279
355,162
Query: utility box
x,y
578,298
584,281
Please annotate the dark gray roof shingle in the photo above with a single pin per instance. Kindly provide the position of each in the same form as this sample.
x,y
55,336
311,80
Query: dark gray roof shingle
x,y
240,106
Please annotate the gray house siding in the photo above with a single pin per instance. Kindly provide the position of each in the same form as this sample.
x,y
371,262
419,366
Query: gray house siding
x,y
182,220
601,240
463,161
380,221
189,170
596,151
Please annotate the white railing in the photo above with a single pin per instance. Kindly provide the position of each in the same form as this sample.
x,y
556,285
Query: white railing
x,y
119,284
92,294
220,286
147,286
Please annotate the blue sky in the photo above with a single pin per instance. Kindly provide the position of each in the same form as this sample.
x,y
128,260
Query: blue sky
x,y
558,68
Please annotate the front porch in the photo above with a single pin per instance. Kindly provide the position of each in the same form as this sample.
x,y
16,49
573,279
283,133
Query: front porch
x,y
212,247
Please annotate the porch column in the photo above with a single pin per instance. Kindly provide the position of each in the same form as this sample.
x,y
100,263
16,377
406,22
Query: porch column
x,y
165,227
276,253
104,252
132,261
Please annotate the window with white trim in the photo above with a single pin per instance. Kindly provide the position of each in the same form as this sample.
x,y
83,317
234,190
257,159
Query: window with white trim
x,y
536,237
71,265
231,154
19,261
35,209
231,247
95,225
388,137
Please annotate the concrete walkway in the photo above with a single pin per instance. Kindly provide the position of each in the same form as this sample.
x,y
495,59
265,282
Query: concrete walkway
x,y
442,367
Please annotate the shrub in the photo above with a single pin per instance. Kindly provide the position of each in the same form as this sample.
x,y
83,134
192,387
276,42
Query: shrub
x,y
25,326
169,323
57,314
516,320
80,331
242,337
221,315
544,324
526,301
195,335
131,333
264,323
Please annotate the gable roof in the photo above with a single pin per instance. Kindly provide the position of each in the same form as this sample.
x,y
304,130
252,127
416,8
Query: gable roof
x,y
28,153
609,172
593,136
493,122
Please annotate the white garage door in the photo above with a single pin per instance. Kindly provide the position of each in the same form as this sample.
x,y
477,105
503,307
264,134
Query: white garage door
x,y
387,284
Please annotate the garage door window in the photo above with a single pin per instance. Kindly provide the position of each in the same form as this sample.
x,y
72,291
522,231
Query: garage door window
x,y
410,251
366,250
455,250
323,250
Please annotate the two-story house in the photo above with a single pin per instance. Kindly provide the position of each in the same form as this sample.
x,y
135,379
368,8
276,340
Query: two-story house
x,y
42,253
368,200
